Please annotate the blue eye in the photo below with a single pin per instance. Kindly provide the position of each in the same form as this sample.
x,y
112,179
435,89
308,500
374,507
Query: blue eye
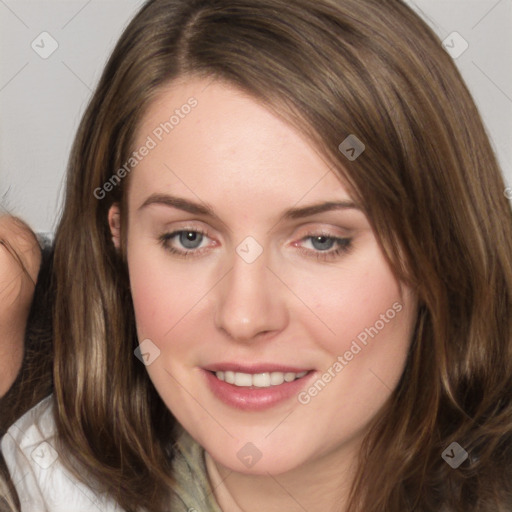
x,y
189,239
322,243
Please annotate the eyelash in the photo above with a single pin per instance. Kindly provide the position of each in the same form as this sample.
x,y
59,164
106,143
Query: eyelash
x,y
344,245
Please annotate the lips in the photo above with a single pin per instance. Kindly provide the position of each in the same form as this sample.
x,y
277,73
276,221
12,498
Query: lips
x,y
255,387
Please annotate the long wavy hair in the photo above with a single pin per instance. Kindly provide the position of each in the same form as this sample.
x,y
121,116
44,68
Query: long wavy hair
x,y
429,184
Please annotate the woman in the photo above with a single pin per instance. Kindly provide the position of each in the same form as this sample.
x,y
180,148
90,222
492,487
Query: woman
x,y
284,274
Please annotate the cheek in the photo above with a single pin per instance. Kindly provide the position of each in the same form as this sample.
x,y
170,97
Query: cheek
x,y
148,294
365,349
160,300
359,300
363,325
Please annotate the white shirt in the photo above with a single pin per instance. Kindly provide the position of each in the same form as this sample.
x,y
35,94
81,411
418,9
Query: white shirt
x,y
43,483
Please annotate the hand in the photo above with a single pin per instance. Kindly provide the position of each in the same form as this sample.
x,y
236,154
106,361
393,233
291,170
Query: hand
x,y
20,258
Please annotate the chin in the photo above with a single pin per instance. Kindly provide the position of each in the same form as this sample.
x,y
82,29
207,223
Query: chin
x,y
250,460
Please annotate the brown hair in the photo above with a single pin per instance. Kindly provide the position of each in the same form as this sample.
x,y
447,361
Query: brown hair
x,y
428,182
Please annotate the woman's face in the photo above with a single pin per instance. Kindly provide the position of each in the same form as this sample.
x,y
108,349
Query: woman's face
x,y
273,283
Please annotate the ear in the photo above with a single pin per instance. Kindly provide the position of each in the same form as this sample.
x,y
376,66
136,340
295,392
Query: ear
x,y
114,221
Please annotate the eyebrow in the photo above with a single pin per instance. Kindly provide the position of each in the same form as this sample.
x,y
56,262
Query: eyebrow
x,y
204,209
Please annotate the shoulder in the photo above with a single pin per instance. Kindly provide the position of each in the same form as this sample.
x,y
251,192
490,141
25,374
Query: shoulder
x,y
41,480
43,483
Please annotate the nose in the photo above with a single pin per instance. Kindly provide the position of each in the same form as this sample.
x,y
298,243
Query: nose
x,y
250,301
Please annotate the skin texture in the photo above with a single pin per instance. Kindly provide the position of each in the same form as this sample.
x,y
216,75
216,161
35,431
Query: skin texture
x,y
16,292
286,307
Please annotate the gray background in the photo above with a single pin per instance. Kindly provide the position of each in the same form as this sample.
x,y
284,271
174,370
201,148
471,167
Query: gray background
x,y
41,100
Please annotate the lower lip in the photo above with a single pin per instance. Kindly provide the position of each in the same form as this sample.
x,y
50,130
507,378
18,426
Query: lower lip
x,y
253,398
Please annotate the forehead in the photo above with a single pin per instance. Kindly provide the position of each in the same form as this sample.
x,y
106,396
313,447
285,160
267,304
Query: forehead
x,y
211,140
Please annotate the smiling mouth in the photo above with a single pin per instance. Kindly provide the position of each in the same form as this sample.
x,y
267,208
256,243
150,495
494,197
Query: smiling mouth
x,y
258,380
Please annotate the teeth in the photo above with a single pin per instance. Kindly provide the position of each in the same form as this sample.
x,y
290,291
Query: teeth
x,y
276,378
258,380
243,379
261,380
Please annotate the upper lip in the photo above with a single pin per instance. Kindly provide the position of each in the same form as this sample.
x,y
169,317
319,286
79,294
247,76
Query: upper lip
x,y
254,368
